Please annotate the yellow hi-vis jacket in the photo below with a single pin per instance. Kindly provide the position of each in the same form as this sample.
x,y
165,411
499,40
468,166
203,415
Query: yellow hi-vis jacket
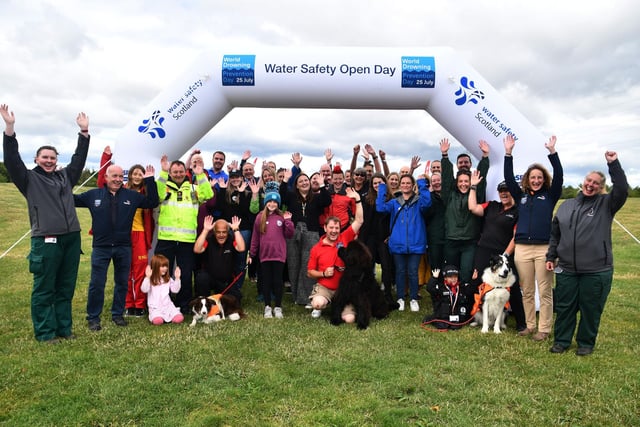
x,y
178,218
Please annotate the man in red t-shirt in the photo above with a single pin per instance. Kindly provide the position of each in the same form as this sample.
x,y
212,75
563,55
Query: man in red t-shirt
x,y
324,263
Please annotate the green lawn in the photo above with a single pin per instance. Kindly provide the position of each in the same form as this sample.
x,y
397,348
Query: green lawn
x,y
304,372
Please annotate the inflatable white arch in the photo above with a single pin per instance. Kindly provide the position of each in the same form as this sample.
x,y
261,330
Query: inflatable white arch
x,y
431,79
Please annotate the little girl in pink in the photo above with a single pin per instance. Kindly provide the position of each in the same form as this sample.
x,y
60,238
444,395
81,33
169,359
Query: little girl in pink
x,y
157,285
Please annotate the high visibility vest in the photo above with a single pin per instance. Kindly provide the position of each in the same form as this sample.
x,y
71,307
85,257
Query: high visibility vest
x,y
178,218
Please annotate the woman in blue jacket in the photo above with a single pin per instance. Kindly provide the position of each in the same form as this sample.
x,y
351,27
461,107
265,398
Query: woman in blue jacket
x,y
536,198
408,232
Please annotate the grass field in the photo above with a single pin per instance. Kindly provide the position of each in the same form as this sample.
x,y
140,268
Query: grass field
x,y
304,372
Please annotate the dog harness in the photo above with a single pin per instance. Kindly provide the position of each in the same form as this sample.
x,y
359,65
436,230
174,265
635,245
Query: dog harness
x,y
483,289
217,308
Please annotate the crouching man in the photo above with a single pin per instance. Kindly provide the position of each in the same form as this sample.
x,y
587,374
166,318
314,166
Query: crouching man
x,y
219,247
324,263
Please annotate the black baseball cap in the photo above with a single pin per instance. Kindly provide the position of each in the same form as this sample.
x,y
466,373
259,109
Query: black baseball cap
x,y
451,270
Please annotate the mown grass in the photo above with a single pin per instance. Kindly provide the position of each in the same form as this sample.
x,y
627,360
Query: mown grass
x,y
305,372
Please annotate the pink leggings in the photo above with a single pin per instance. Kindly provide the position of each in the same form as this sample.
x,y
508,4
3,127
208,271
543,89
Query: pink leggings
x,y
178,318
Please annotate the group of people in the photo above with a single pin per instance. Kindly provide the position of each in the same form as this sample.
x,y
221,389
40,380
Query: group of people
x,y
210,226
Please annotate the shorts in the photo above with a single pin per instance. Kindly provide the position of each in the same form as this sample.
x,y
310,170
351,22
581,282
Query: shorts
x,y
319,290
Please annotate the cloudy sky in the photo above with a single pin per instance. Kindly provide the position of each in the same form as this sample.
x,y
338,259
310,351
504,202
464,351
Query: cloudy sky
x,y
573,70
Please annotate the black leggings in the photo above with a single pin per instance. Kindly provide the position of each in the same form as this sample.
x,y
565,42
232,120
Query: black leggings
x,y
271,276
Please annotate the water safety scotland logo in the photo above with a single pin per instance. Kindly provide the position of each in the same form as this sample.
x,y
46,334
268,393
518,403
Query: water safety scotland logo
x,y
467,92
153,126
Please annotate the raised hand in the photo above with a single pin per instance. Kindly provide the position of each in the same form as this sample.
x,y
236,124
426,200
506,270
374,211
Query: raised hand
x,y
551,145
235,222
296,159
444,145
207,224
509,143
484,147
7,116
475,177
164,163
198,169
415,162
82,120
328,155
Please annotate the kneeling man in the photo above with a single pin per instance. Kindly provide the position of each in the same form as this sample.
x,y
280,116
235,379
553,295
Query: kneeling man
x,y
326,266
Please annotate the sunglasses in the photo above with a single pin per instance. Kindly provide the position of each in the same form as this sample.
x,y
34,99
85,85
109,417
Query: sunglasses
x,y
360,174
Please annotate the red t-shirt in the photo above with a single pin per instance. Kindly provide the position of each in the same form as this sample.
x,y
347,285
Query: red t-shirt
x,y
323,256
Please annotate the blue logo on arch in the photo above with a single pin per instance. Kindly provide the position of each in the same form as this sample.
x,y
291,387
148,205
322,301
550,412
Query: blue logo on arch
x,y
467,92
153,126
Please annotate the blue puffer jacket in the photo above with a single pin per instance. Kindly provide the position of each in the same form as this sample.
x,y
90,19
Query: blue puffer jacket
x,y
408,229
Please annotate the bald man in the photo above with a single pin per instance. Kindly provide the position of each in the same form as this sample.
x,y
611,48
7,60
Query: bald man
x,y
112,209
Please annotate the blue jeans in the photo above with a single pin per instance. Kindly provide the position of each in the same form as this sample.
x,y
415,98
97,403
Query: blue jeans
x,y
100,259
407,268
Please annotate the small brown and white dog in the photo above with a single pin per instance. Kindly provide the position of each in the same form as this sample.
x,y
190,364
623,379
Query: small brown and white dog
x,y
493,295
215,308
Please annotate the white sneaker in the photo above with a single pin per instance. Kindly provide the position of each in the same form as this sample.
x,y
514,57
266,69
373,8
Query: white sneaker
x,y
414,305
268,314
316,313
401,305
277,312
308,306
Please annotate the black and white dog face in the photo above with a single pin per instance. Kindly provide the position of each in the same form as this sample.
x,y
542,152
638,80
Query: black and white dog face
x,y
499,273
215,308
201,306
499,265
206,309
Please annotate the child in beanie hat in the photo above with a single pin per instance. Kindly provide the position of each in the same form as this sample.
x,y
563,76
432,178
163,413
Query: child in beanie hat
x,y
271,230
272,192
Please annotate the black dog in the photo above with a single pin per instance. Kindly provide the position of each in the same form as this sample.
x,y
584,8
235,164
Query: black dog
x,y
359,287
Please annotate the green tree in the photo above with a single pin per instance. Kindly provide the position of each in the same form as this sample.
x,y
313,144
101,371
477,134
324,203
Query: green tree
x,y
4,175
569,192
91,175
